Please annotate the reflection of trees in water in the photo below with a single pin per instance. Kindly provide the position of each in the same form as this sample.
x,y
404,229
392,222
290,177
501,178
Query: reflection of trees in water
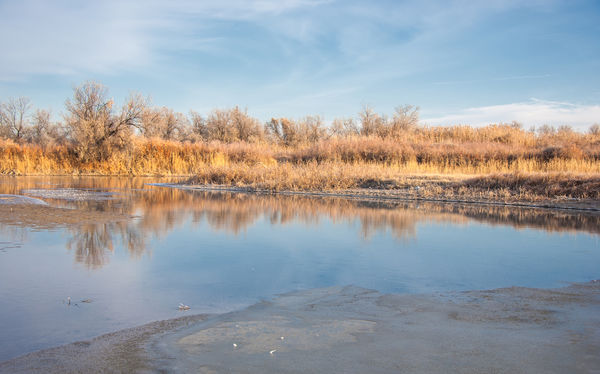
x,y
166,208
235,213
92,243
161,210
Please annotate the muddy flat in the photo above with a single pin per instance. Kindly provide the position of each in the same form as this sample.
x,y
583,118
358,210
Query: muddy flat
x,y
355,330
46,217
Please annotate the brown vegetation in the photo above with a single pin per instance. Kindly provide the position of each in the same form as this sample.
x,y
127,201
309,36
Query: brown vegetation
x,y
230,147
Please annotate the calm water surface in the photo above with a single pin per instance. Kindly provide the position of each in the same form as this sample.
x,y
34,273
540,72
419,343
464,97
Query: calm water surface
x,y
217,252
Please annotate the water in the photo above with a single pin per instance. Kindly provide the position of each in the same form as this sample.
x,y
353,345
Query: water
x,y
137,251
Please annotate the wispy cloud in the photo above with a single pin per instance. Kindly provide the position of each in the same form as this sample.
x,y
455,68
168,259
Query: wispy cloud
x,y
40,37
65,37
534,112
299,53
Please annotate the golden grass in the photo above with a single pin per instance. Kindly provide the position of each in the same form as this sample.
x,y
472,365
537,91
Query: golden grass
x,y
158,157
332,177
144,158
496,162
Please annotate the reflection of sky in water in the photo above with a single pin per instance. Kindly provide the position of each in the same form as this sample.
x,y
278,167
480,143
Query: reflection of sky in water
x,y
195,258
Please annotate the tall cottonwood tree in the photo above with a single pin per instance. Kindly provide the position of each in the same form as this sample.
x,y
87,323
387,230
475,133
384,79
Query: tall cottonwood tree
x,y
95,128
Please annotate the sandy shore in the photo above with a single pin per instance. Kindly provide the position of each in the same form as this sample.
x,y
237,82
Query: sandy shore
x,y
354,330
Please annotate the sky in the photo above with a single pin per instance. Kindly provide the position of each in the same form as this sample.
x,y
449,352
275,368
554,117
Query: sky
x,y
462,62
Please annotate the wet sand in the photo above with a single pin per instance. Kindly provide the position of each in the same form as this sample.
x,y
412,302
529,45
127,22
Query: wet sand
x,y
355,330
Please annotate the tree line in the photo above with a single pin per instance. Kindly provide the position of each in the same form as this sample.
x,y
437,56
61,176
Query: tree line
x,y
94,126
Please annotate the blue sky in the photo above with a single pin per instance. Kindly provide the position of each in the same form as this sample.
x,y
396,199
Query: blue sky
x,y
471,62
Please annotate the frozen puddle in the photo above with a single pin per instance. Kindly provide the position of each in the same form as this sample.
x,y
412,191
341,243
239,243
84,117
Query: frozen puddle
x,y
19,199
71,194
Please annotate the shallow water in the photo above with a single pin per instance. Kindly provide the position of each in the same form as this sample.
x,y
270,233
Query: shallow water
x,y
136,251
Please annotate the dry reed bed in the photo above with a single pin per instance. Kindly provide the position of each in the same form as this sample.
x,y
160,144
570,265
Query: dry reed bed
x,y
159,157
459,162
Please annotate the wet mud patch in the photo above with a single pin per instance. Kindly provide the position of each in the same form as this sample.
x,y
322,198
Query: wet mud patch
x,y
118,352
353,330
275,335
72,194
47,217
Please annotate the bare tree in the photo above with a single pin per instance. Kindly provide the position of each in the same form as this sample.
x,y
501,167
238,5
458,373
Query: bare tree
x,y
283,131
344,127
163,123
311,129
95,128
176,125
150,123
227,125
565,130
546,130
41,127
14,118
219,126
198,124
595,129
4,127
246,128
370,122
405,119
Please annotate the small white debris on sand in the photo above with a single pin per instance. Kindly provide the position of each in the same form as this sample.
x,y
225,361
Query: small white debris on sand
x,y
273,351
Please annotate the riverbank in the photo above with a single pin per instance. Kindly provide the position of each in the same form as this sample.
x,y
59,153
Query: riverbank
x,y
549,192
554,171
354,330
